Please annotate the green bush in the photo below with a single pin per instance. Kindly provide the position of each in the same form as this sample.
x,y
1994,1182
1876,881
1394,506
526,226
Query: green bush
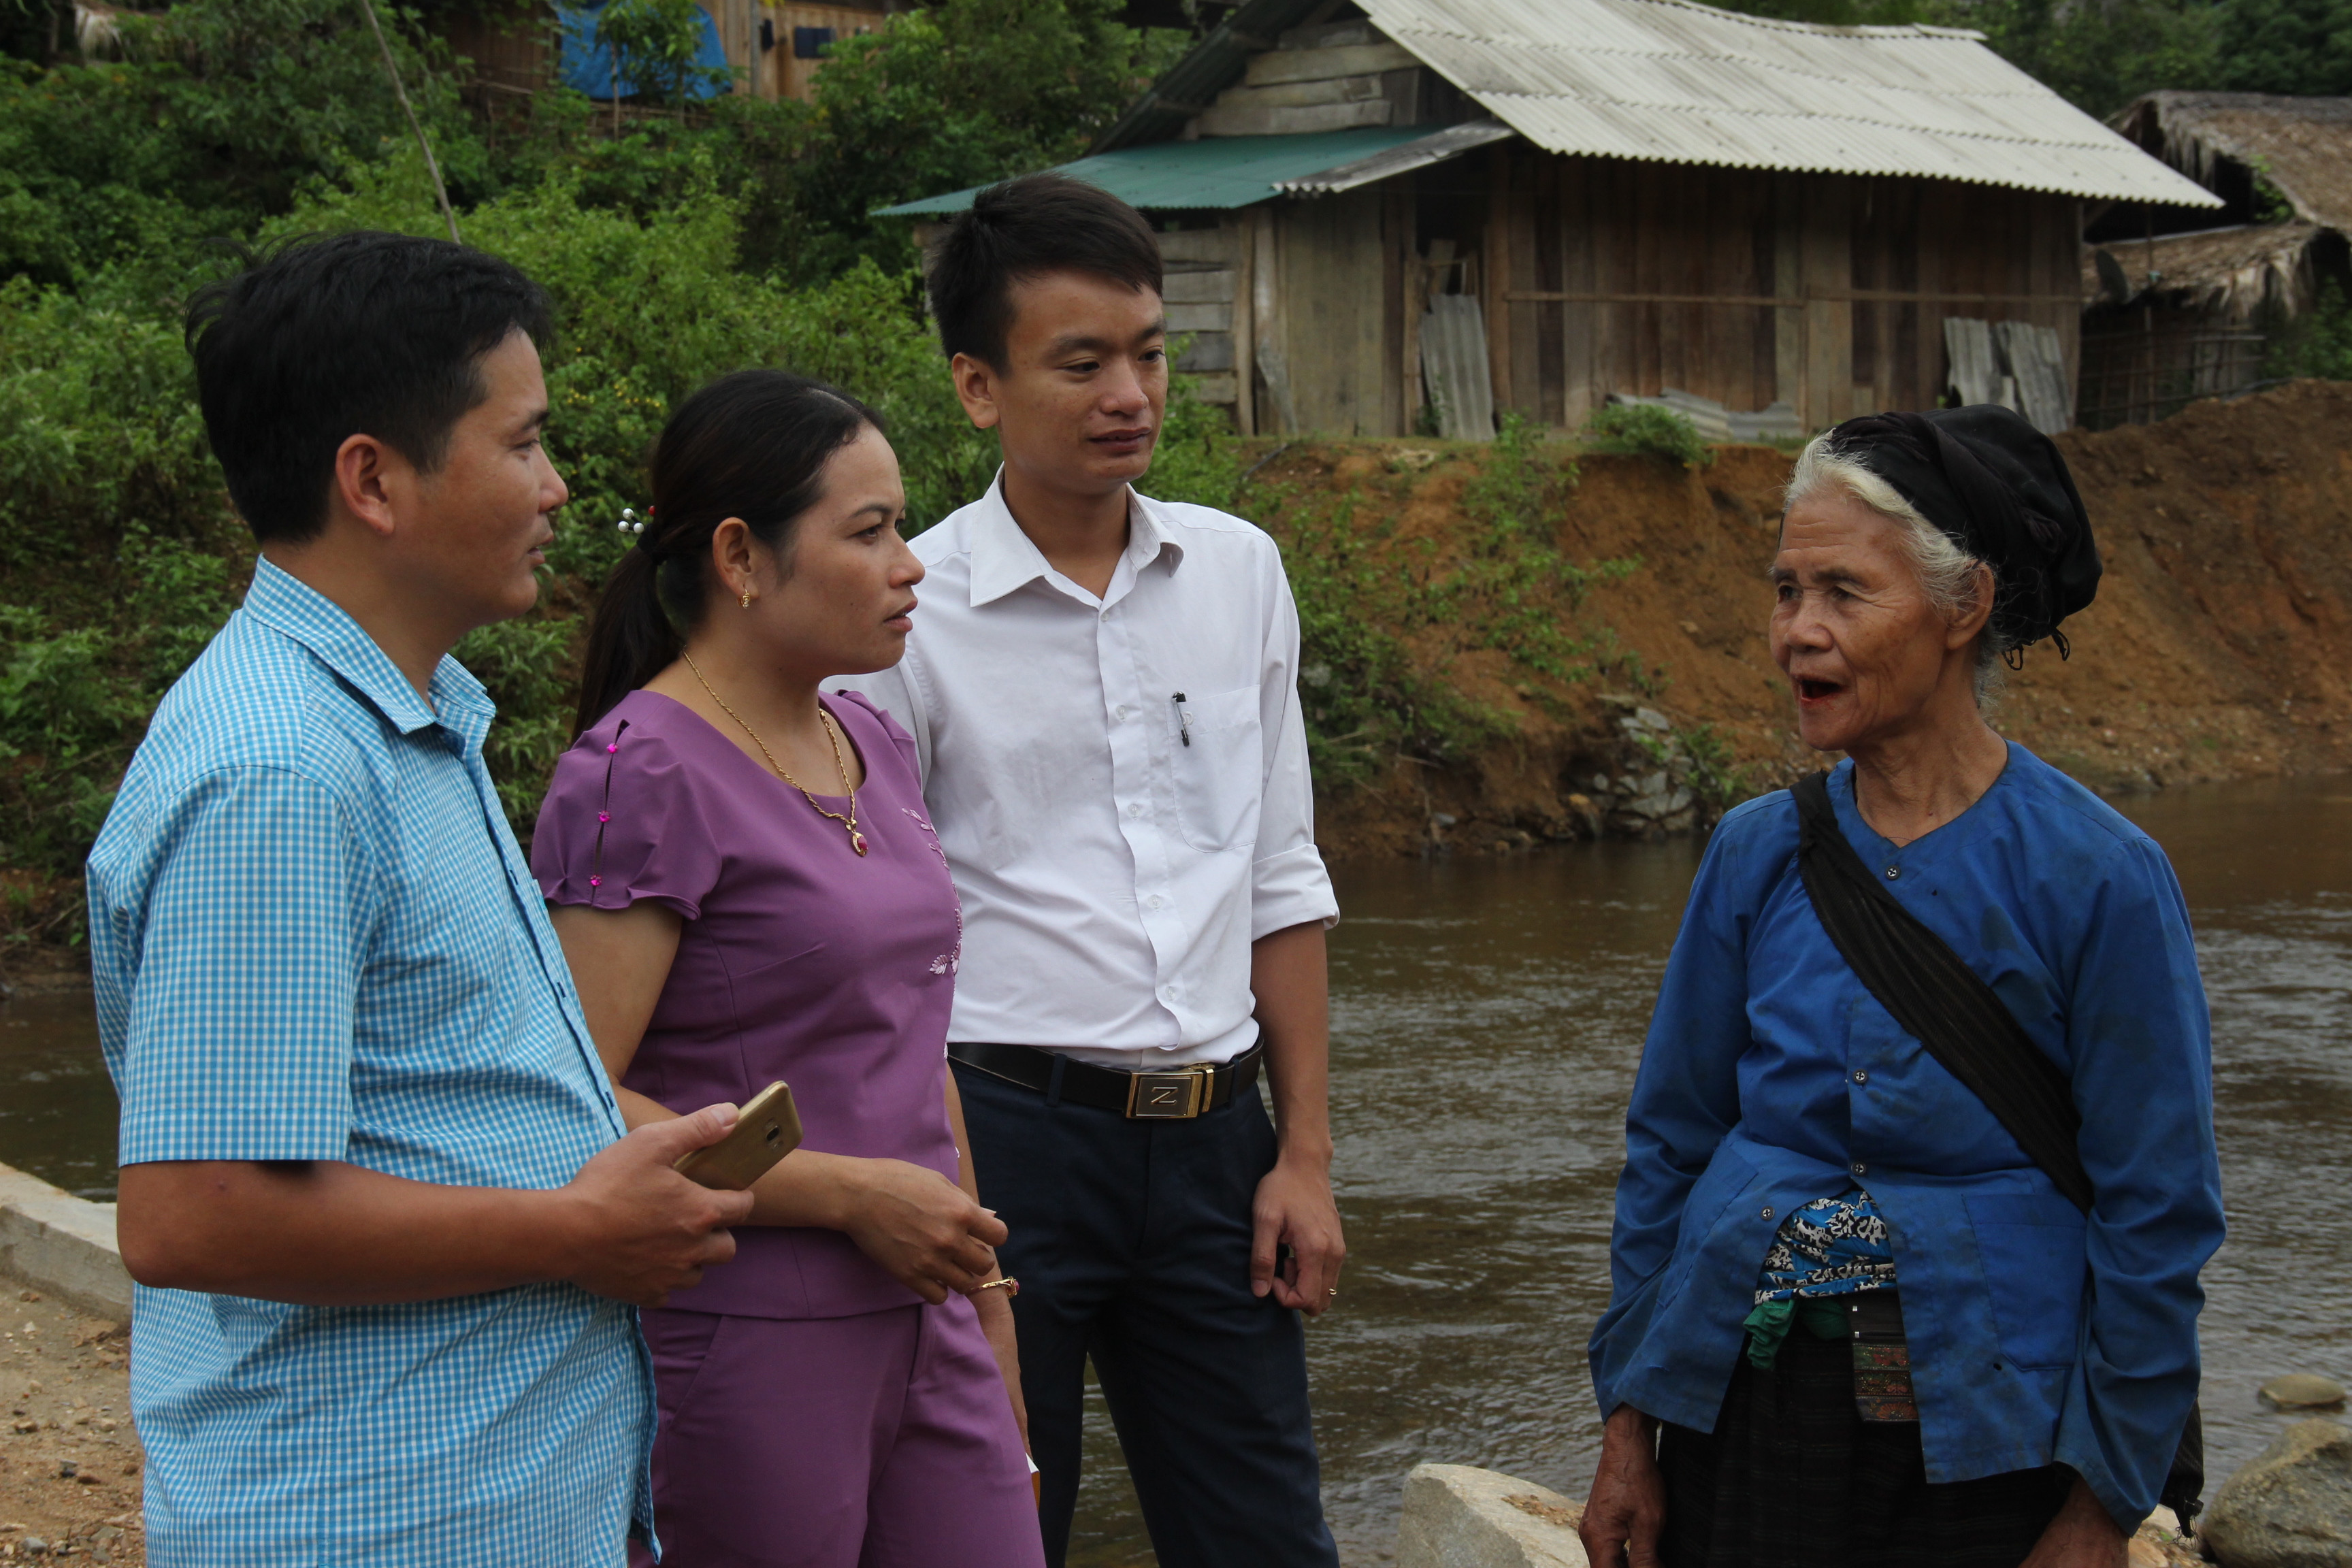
x,y
216,116
1643,429
948,96
1365,697
656,43
1379,617
2317,343
675,252
120,556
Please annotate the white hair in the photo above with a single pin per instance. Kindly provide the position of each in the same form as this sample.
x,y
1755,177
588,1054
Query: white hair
x,y
1946,572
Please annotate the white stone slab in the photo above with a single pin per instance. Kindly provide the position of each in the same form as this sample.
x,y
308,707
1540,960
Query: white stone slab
x,y
1458,1516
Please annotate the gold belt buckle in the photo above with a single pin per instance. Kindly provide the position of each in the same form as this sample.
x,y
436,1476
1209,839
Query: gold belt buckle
x,y
1176,1096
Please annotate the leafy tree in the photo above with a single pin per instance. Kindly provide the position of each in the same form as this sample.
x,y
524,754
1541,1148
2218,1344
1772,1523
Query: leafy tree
x,y
2302,47
218,114
951,96
656,43
2317,343
2101,54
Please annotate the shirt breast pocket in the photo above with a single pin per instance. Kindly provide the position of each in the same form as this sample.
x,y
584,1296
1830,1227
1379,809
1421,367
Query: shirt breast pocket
x,y
1220,751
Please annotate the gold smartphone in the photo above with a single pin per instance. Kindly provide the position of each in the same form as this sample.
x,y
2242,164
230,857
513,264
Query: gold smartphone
x,y
766,1129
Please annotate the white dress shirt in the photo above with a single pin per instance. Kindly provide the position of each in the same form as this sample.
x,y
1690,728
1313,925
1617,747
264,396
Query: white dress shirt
x,y
1119,784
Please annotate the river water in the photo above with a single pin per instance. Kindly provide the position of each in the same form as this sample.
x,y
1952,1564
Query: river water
x,y
1488,1016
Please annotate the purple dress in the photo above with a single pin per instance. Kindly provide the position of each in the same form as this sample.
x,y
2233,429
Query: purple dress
x,y
813,1411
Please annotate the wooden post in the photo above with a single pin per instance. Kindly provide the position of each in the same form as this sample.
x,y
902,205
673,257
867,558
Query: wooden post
x,y
1496,275
1239,229
1829,320
1416,304
1788,283
1267,325
1401,257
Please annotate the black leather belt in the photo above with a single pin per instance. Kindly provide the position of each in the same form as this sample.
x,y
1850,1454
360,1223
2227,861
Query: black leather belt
x,y
1176,1095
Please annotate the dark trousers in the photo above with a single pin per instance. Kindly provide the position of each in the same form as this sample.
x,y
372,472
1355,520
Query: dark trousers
x,y
1792,1477
1131,1241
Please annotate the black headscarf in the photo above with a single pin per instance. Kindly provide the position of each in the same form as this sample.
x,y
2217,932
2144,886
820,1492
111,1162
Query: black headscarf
x,y
1998,487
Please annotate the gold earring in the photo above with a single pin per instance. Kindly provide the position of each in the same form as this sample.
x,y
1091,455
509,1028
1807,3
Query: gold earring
x,y
747,599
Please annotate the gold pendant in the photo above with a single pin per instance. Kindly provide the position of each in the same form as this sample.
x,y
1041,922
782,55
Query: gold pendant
x,y
858,841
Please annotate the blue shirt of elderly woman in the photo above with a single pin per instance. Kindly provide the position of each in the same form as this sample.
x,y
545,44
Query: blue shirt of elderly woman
x,y
2052,1354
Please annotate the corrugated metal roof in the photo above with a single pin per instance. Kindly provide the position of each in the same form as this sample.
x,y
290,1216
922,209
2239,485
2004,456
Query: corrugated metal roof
x,y
1436,147
1673,81
1214,172
2302,145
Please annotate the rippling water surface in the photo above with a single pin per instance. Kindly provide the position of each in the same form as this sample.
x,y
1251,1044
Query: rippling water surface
x,y
1487,1017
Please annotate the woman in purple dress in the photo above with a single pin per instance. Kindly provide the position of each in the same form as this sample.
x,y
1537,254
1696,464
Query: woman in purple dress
x,y
747,888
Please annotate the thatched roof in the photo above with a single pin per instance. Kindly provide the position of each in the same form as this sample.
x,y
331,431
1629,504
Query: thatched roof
x,y
2303,146
2230,272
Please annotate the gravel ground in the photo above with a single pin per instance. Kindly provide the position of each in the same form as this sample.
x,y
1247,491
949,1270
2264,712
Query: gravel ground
x,y
69,1462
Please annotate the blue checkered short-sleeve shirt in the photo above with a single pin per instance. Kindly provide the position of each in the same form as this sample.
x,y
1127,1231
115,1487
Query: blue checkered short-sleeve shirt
x,y
314,937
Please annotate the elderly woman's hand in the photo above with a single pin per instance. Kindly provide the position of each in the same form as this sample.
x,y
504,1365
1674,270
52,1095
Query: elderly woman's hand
x,y
1626,1513
2082,1536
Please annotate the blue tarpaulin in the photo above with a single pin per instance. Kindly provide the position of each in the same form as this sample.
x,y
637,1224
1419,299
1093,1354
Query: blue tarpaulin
x,y
587,65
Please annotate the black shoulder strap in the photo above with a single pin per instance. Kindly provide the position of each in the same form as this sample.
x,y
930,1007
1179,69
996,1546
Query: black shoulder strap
x,y
1936,997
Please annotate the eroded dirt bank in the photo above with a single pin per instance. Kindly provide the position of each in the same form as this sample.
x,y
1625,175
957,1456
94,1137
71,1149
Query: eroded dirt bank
x,y
2220,646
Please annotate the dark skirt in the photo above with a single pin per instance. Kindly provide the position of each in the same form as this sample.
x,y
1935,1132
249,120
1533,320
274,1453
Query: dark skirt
x,y
1792,1477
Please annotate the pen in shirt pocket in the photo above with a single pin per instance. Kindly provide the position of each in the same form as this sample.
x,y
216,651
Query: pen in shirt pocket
x,y
1184,719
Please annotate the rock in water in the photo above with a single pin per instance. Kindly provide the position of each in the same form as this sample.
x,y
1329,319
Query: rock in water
x,y
2290,1507
2302,1390
1458,1516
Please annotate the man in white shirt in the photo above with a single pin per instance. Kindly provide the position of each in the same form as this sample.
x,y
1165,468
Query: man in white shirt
x,y
1103,691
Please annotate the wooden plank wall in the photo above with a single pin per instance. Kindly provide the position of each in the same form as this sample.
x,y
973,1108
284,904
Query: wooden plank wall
x,y
1603,275
511,51
1337,315
508,46
1206,291
786,76
2019,252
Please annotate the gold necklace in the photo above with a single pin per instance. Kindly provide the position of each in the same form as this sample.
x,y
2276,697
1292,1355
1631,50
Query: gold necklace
x,y
832,733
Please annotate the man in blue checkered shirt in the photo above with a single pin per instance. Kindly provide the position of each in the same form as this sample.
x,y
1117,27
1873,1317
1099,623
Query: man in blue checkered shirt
x,y
375,1192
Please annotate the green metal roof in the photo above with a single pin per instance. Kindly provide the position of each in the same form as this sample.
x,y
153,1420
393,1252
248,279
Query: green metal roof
x,y
1214,172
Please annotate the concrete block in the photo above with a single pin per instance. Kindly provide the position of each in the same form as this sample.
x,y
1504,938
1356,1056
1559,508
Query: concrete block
x,y
1458,1516
61,1245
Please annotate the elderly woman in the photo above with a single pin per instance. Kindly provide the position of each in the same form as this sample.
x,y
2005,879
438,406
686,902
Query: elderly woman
x,y
1855,1320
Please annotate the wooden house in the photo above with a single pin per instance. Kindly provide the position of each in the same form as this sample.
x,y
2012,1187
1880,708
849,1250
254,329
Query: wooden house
x,y
775,50
2180,306
1404,213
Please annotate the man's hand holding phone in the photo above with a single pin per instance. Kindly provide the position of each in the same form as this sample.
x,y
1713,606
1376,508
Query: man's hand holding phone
x,y
639,1229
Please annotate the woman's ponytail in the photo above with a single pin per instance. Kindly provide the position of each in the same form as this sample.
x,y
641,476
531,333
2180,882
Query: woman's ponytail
x,y
753,446
630,640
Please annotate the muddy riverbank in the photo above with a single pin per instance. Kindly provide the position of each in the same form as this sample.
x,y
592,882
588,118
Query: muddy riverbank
x,y
2220,646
